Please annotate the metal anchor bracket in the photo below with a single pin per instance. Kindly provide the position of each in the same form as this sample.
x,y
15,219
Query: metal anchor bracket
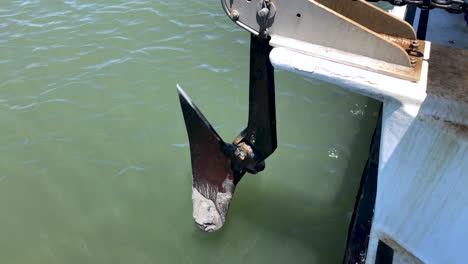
x,y
351,32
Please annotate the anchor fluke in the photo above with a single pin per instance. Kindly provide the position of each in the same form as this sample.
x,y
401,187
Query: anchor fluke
x,y
213,177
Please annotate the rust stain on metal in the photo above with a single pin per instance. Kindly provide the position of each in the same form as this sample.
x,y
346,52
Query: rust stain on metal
x,y
457,128
447,73
413,48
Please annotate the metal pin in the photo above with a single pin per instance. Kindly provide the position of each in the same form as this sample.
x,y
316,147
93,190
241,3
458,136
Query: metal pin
x,y
235,14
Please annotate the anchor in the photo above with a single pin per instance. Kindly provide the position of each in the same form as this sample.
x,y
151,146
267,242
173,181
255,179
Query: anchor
x,y
349,32
217,166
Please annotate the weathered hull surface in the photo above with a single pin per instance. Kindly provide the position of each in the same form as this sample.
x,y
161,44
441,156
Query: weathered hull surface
x,y
420,206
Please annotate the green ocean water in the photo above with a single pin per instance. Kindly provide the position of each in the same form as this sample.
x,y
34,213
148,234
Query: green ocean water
x,y
94,157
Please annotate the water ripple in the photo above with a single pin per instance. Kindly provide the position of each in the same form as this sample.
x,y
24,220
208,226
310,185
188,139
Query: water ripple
x,y
185,25
159,48
128,168
26,2
56,14
24,107
78,6
120,37
108,63
109,12
12,14
151,10
183,145
34,65
211,68
107,31
176,37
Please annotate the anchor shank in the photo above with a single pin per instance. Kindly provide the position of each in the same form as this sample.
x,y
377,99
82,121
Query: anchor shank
x,y
261,129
